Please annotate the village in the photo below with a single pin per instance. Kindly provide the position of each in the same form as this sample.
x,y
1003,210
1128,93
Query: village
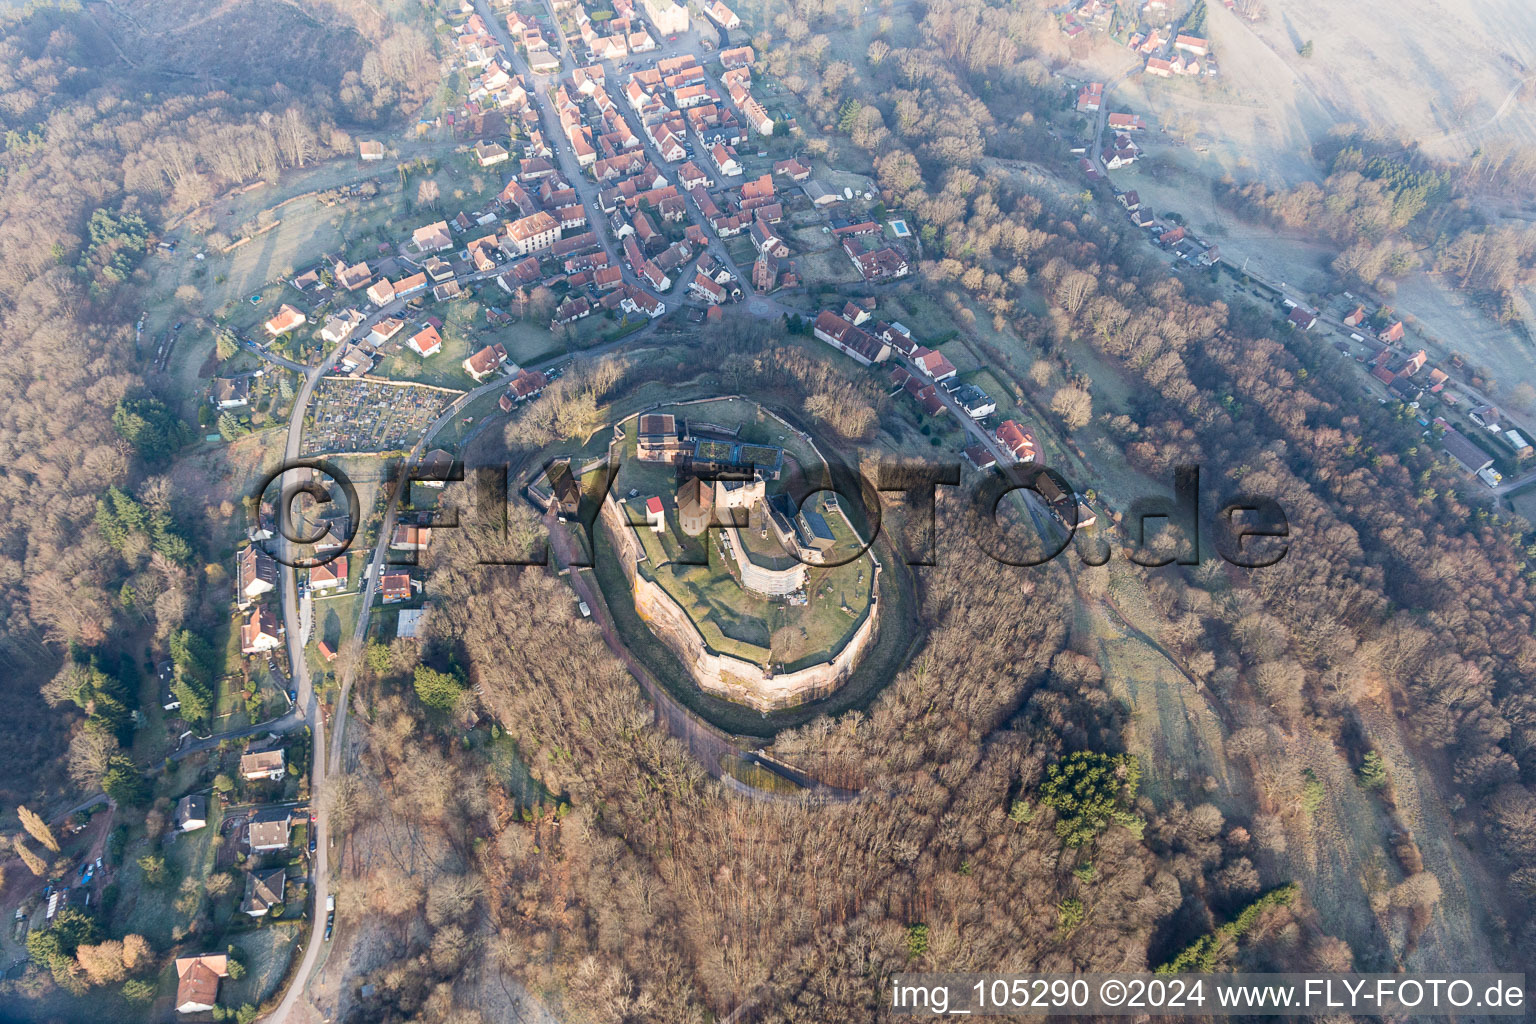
x,y
1447,401
646,183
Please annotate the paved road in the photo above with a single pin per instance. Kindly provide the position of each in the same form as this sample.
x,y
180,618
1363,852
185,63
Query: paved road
x,y
1515,483
539,86
1102,120
1279,287
273,357
708,745
588,189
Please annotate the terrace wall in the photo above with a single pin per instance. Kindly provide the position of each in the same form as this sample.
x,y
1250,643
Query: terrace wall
x,y
724,675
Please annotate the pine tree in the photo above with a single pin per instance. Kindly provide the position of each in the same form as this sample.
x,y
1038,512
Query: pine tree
x,y
848,115
34,863
231,428
37,828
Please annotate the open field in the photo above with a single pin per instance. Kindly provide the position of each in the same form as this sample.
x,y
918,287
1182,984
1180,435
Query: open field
x,y
305,230
1270,104
1458,82
1448,318
214,478
266,952
147,909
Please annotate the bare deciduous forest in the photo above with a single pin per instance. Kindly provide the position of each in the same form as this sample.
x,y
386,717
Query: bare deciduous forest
x,y
998,825
648,893
98,153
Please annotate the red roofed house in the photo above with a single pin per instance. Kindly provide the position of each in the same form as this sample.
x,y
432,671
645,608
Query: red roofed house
x,y
706,288
432,238
197,981
426,342
690,177
758,188
408,286
978,456
532,233
384,330
933,364
352,278
1090,96
792,169
1019,442
394,587
722,15
331,575
740,57
725,159
655,515
256,572
1393,333
854,341
1355,317
1302,318
526,385
259,632
287,319
485,362
490,154
409,537
637,300
381,292
1126,122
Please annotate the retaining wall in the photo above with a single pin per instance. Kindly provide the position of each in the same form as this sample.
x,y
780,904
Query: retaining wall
x,y
725,675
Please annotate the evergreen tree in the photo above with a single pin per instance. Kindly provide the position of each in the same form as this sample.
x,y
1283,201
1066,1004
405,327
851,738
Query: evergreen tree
x,y
124,782
437,690
152,428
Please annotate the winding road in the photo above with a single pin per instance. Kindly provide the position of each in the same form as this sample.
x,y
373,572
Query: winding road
x,y
706,743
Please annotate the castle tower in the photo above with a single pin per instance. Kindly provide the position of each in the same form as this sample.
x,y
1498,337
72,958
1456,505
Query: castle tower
x,y
695,506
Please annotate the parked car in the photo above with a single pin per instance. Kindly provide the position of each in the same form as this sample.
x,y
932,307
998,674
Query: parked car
x,y
293,696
